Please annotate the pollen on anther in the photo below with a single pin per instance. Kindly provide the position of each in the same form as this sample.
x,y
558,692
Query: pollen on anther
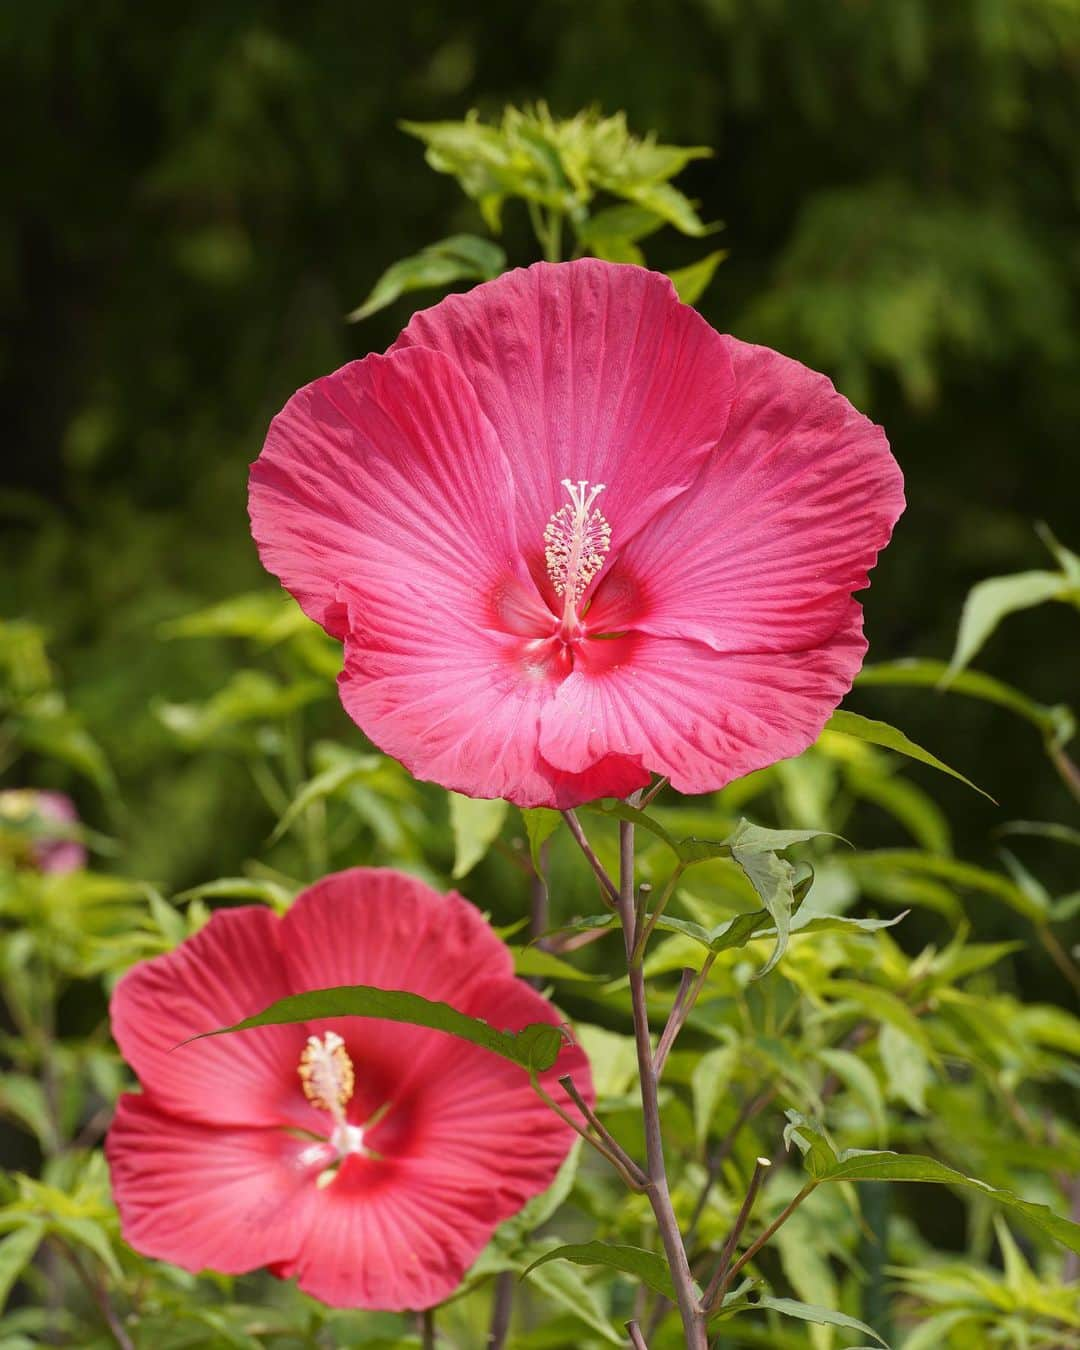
x,y
576,540
326,1072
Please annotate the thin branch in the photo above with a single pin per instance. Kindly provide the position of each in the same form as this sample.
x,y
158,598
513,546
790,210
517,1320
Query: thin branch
x,y
99,1294
586,1133
761,1168
675,1020
756,1246
653,792
427,1329
603,1133
641,938
637,1340
611,891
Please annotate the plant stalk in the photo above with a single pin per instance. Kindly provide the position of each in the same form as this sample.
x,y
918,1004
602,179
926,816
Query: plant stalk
x,y
693,1315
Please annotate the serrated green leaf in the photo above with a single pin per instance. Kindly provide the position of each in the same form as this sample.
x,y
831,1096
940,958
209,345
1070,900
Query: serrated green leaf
x,y
540,825
536,1047
645,1267
992,600
476,823
807,1312
461,257
881,733
16,1252
691,282
855,1165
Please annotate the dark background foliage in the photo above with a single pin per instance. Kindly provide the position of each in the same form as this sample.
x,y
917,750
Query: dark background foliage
x,y
198,196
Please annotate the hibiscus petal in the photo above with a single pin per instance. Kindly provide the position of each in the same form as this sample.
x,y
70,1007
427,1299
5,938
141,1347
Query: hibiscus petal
x,y
226,972
587,370
405,1243
462,710
385,475
784,522
699,716
206,1197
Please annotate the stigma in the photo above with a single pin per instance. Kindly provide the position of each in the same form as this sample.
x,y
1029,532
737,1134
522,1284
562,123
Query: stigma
x,y
576,541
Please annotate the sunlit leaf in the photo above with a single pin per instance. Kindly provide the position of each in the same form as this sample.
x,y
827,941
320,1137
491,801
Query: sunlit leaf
x,y
691,282
880,733
808,1312
992,600
461,257
540,825
476,823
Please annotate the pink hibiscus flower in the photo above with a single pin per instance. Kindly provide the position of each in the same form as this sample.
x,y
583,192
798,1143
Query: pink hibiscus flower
x,y
570,535
370,1159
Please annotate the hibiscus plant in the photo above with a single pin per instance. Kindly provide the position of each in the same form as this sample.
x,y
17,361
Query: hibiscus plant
x,y
581,572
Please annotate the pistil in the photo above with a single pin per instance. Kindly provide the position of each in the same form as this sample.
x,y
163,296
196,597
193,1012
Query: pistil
x,y
576,540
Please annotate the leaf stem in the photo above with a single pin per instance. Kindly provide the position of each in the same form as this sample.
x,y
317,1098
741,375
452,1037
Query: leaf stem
x,y
603,1133
427,1329
637,1340
586,1132
642,939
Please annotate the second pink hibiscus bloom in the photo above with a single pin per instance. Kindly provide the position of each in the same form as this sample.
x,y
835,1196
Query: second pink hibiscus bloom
x,y
571,535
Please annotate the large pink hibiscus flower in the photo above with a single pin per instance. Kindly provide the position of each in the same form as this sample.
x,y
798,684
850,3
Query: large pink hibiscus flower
x,y
370,1159
570,535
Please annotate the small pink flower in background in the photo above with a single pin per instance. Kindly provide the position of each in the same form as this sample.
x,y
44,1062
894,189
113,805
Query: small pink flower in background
x,y
370,1159
570,535
26,815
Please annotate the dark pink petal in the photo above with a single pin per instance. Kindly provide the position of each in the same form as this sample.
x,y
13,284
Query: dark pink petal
x,y
202,1197
228,971
587,370
58,855
697,715
386,477
784,523
463,709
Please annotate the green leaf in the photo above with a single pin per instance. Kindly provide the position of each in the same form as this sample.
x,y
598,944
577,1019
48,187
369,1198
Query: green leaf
x,y
248,696
818,1154
961,875
536,1047
861,1081
476,823
880,733
560,1283
267,617
691,282
536,963
773,878
907,1069
540,825
991,601
22,1098
267,892
1058,723
854,1165
710,1078
324,785
16,1252
645,1267
1061,834
461,257
807,1312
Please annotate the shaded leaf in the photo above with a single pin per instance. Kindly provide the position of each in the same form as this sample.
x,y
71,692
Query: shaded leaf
x,y
907,1069
645,1267
540,825
324,785
536,1047
16,1252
